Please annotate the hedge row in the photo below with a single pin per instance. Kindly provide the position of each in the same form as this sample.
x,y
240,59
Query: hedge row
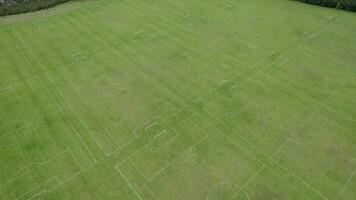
x,y
9,7
349,5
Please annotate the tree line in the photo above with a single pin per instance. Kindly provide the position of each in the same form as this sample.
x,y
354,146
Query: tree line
x,y
9,7
349,5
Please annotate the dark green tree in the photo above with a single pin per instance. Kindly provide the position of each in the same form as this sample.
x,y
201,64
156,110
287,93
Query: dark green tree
x,y
349,5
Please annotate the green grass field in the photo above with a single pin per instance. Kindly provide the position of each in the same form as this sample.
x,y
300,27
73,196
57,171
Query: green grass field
x,y
178,99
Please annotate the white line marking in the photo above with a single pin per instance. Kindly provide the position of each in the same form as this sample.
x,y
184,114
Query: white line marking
x,y
81,120
39,186
128,182
166,143
223,81
249,180
42,191
151,125
159,134
154,118
174,160
347,182
80,58
77,54
138,169
232,87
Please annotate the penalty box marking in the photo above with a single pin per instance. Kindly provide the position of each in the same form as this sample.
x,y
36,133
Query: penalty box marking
x,y
147,124
135,130
128,182
38,164
164,144
159,134
119,147
162,169
122,146
125,144
211,104
166,166
151,125
174,160
33,189
59,183
248,181
125,178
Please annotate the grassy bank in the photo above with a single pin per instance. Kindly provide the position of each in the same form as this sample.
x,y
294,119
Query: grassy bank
x,y
20,6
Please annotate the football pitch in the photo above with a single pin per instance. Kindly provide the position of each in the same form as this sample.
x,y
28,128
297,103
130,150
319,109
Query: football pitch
x,y
178,99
